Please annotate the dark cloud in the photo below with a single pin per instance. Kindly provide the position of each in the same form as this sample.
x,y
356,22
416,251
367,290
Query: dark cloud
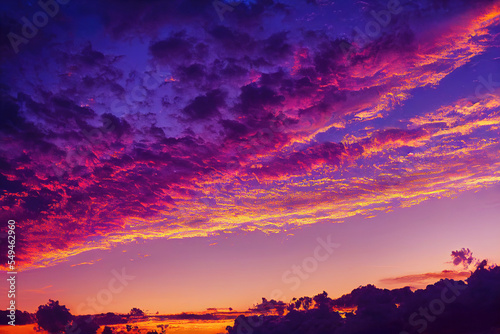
x,y
234,130
255,100
329,56
174,47
232,39
326,154
191,73
463,257
277,46
10,118
123,20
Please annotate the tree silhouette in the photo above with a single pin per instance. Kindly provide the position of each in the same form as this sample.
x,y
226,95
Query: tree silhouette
x,y
84,325
322,301
107,330
136,312
53,317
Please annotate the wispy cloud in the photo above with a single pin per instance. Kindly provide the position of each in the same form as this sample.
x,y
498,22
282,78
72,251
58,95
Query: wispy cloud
x,y
422,280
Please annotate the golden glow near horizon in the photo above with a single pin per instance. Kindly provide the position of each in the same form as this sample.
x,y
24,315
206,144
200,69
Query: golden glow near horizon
x,y
297,179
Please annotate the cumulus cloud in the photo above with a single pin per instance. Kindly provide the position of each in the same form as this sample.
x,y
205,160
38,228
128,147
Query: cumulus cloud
x,y
463,257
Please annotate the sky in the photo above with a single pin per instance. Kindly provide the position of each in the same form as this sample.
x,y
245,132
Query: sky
x,y
181,155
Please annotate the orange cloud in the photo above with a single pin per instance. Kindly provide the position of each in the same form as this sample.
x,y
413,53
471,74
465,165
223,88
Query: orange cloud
x,y
422,280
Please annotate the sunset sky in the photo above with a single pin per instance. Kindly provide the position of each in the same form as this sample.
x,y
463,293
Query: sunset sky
x,y
204,147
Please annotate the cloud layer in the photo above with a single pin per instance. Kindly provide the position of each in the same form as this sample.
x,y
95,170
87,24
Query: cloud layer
x,y
144,120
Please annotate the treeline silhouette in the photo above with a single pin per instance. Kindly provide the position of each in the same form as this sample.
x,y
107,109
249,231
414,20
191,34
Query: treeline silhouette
x,y
22,318
57,319
446,307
